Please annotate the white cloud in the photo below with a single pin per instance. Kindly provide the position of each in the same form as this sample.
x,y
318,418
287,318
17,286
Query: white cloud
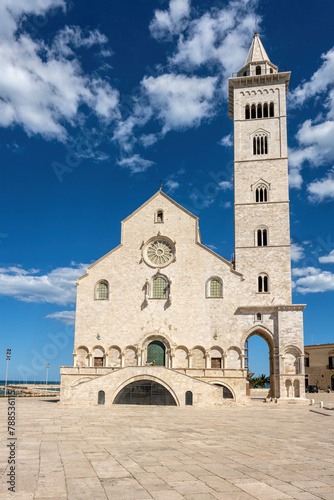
x,y
172,21
313,280
135,163
297,252
227,204
327,259
315,137
323,189
180,101
227,141
172,185
67,317
42,87
225,185
56,287
219,36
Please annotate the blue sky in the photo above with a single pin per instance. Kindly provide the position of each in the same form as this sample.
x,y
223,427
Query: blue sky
x,y
98,101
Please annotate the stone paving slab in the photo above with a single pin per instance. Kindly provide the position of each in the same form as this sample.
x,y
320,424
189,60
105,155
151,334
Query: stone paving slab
x,y
264,452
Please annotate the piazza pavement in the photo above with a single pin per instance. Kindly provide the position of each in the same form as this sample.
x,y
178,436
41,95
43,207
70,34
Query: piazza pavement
x,y
265,451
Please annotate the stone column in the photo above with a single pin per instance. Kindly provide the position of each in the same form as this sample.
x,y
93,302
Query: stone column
x,y
105,359
224,358
122,359
207,360
90,357
242,356
172,356
189,360
74,358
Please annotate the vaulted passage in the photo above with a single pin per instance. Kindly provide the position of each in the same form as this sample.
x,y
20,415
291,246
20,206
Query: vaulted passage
x,y
145,392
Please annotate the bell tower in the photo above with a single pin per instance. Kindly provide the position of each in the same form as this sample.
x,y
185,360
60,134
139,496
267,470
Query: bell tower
x,y
257,105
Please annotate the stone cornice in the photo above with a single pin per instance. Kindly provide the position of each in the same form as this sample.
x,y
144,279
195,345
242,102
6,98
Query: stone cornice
x,y
254,309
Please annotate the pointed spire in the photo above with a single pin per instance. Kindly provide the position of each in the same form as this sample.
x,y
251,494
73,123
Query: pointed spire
x,y
257,52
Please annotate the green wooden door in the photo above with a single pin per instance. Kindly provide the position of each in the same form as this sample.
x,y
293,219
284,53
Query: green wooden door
x,y
156,353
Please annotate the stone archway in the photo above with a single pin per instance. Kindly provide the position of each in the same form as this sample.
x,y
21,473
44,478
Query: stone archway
x,y
156,353
145,392
267,336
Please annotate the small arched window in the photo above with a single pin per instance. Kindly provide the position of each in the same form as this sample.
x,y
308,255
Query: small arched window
x,y
258,317
263,283
253,111
101,398
261,194
247,112
102,292
214,287
271,70
189,398
259,110
262,237
265,110
271,109
159,216
160,287
258,70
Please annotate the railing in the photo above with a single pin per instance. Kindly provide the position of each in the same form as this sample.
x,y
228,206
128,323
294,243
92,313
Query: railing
x,y
253,73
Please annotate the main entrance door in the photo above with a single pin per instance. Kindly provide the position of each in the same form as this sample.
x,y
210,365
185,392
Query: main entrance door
x,y
156,353
144,392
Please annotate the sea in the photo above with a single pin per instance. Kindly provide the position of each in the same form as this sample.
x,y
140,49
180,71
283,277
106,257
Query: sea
x,y
25,382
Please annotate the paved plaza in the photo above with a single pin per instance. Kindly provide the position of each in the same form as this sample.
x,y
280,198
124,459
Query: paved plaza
x,y
265,451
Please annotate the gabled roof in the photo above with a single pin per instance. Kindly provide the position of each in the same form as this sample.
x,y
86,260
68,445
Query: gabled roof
x,y
256,52
160,193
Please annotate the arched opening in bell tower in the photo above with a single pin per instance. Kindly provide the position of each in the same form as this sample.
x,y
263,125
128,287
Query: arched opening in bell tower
x,y
259,359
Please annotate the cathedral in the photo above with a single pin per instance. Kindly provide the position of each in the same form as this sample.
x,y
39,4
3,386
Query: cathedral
x,y
162,319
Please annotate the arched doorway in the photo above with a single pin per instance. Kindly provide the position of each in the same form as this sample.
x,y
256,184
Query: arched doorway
x,y
259,358
144,392
227,393
156,353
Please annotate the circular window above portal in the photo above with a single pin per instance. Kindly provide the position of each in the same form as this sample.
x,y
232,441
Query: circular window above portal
x,y
159,252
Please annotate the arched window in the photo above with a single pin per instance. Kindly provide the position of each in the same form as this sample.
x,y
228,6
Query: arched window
x,y
260,144
259,110
258,317
159,287
101,398
247,112
265,110
159,216
258,70
102,290
253,111
271,109
271,70
262,237
189,398
214,287
261,194
263,283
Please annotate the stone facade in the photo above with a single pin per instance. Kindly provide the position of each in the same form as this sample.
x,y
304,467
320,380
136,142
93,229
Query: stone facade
x,y
319,366
162,293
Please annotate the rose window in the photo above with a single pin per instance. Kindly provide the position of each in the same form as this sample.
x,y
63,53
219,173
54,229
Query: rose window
x,y
159,253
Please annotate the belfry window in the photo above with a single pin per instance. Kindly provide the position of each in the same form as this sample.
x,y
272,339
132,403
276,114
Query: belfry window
x,y
262,237
259,110
261,194
271,109
258,70
265,110
247,112
263,283
253,111
260,144
159,288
